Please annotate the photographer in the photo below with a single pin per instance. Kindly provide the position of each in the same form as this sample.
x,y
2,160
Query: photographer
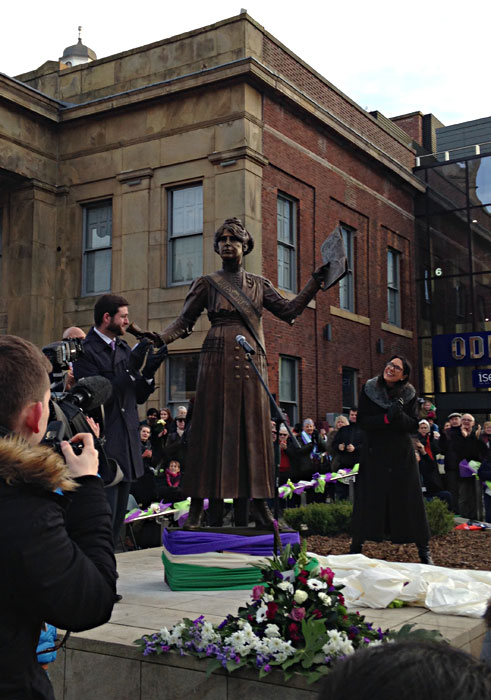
x,y
55,528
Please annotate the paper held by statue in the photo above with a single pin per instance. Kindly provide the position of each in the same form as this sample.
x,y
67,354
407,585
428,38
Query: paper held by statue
x,y
334,257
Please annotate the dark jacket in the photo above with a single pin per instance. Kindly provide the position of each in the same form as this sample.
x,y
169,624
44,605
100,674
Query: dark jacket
x,y
304,465
353,434
430,476
456,447
121,422
388,496
56,559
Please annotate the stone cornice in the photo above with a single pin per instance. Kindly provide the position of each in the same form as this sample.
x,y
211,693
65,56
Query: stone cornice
x,y
32,100
262,77
229,157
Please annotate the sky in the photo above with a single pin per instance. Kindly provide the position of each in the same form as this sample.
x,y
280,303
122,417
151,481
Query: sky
x,y
426,55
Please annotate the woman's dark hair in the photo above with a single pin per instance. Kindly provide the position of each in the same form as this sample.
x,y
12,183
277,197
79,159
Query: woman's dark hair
x,y
408,670
402,382
238,230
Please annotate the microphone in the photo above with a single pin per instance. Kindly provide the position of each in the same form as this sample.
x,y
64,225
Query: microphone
x,y
240,339
90,393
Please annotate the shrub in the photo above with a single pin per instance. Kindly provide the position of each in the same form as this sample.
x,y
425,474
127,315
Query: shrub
x,y
440,519
321,518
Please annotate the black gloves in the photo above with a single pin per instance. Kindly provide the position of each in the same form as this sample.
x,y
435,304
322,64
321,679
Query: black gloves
x,y
154,360
395,410
319,274
138,355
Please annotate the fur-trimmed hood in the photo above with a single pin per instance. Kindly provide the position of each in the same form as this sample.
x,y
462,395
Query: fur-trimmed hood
x,y
21,463
379,395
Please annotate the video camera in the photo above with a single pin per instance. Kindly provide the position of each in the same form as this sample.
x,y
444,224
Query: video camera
x,y
68,409
62,353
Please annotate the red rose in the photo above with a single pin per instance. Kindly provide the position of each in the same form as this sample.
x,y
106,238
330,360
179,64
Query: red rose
x,y
317,613
271,611
293,632
327,575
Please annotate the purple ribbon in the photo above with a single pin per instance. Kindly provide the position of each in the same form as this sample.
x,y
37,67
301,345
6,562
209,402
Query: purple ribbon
x,y
183,542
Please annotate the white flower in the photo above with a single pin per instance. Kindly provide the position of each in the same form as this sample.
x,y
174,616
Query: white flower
x,y
165,635
267,598
261,614
324,598
280,657
375,643
208,634
275,644
249,635
280,646
272,631
300,596
286,586
315,585
338,644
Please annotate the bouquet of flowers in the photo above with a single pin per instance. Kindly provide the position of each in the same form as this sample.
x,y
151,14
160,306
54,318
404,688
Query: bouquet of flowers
x,y
296,621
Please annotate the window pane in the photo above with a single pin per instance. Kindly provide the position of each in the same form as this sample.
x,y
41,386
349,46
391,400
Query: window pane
x,y
481,239
98,271
288,384
288,387
480,181
285,221
187,258
98,227
449,182
182,375
285,267
393,288
349,380
393,307
449,243
187,211
451,305
347,284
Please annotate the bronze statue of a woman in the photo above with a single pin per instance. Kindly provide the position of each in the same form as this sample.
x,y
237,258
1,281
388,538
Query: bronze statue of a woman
x,y
230,451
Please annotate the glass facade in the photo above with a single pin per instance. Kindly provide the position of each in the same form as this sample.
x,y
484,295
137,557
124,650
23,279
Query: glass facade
x,y
453,243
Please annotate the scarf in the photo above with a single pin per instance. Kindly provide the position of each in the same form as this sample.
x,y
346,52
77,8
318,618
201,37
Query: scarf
x,y
379,394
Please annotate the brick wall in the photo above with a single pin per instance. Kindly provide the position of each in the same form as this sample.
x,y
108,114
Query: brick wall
x,y
329,97
333,185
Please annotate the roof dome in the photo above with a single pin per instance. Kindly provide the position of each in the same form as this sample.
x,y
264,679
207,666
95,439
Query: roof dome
x,y
78,53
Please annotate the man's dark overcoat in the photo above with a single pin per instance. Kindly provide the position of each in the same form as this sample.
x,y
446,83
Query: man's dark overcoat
x,y
121,422
388,496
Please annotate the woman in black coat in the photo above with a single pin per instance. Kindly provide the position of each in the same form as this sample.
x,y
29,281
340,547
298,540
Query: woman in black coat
x,y
388,497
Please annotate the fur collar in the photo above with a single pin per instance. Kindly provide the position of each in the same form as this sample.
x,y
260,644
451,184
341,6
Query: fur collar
x,y
38,466
379,395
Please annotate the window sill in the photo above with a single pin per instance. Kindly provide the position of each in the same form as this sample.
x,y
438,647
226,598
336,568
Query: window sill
x,y
396,330
349,315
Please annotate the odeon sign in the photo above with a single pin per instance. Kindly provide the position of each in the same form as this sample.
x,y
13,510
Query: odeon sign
x,y
461,349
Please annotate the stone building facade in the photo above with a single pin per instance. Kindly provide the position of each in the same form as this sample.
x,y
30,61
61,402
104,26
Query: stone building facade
x,y
115,175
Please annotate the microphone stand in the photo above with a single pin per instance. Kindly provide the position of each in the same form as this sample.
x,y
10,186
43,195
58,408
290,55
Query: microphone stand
x,y
278,418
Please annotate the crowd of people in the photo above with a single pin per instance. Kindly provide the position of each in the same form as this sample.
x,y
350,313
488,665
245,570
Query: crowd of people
x,y
326,449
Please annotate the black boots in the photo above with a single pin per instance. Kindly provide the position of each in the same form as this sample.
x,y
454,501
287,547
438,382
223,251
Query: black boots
x,y
425,555
195,513
356,546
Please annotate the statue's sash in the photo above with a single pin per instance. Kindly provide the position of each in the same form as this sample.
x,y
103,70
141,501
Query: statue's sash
x,y
241,303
